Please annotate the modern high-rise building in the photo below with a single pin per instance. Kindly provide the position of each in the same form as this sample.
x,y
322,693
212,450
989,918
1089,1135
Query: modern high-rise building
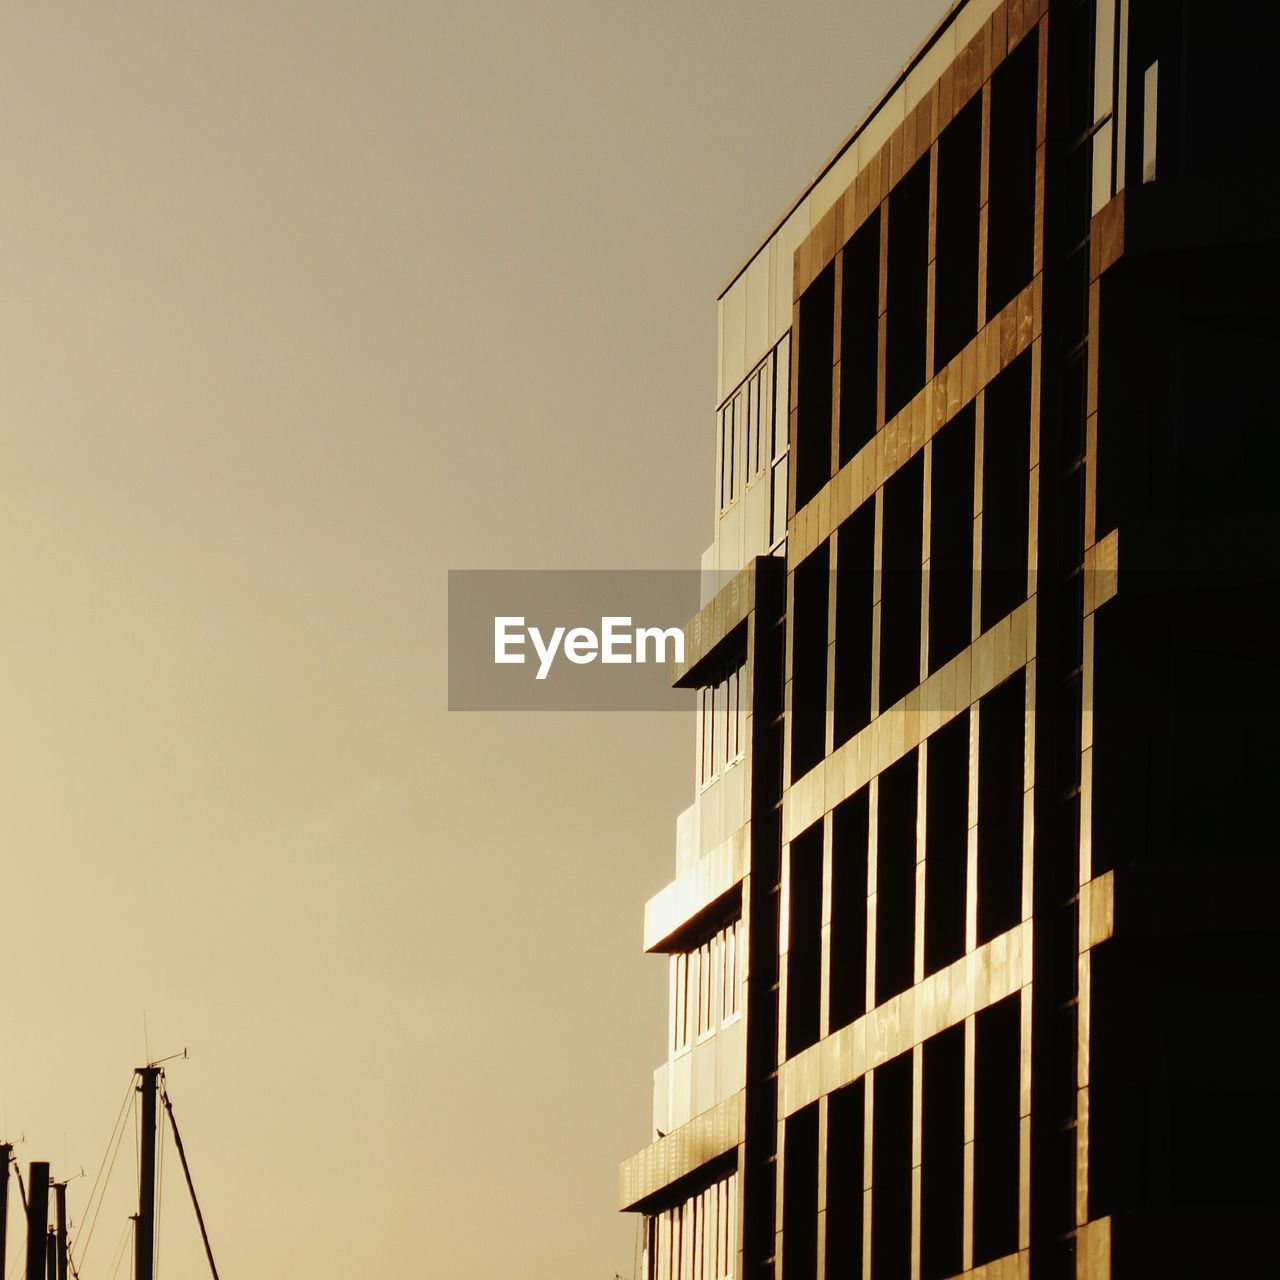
x,y
972,939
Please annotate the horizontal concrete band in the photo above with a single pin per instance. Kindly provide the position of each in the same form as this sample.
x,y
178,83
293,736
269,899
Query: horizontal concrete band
x,y
995,656
995,346
685,898
982,978
684,1151
715,620
1013,1266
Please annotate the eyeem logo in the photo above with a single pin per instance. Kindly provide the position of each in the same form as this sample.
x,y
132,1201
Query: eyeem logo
x,y
616,642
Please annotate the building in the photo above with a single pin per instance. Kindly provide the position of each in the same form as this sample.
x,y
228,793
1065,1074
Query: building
x,y
972,937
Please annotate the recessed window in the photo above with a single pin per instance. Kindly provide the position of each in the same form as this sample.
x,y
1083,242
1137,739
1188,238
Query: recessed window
x,y
1011,170
804,940
903,499
800,1196
997,1092
696,1239
706,985
942,1156
811,585
860,338
896,878
1001,747
1006,455
946,844
848,985
781,439
855,600
813,399
722,724
951,539
956,268
846,1124
907,306
891,1170
748,434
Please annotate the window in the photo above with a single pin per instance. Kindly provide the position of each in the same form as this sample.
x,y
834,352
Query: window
x,y
847,995
891,1090
748,431
1006,462
860,338
907,310
814,372
896,878
846,1124
946,844
956,285
1001,748
804,940
800,1195
706,986
951,539
781,438
855,611
696,1239
903,503
942,1156
996,1106
1011,206
722,724
811,586
730,471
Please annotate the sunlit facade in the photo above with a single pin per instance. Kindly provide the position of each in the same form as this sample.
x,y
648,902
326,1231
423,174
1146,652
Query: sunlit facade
x,y
971,939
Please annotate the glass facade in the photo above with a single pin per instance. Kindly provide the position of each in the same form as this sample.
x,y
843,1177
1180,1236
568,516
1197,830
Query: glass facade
x,y
971,363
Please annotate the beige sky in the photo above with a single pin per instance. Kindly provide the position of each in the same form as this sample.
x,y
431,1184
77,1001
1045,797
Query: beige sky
x,y
301,305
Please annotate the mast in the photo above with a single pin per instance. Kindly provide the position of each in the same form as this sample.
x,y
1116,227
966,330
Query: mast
x,y
37,1219
6,1154
60,1190
144,1235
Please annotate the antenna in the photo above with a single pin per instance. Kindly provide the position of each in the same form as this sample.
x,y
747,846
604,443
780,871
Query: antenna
x,y
172,1057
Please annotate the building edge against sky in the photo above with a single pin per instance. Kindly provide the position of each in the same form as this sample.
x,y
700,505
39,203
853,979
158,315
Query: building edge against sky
x,y
971,939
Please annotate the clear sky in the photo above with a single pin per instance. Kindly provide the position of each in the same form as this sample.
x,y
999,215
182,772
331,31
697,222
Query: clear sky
x,y
303,303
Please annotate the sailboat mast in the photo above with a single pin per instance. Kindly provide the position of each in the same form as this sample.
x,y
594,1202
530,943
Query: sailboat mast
x,y
60,1191
144,1236
6,1154
37,1219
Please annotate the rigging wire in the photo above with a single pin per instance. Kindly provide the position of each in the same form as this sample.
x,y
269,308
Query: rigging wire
x,y
118,1136
18,1259
113,1139
121,1250
16,1265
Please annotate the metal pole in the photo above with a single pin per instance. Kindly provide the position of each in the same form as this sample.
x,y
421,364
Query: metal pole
x,y
60,1190
144,1237
6,1154
51,1255
37,1219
